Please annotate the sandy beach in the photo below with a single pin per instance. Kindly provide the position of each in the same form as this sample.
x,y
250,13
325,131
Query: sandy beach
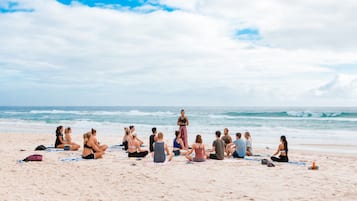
x,y
115,177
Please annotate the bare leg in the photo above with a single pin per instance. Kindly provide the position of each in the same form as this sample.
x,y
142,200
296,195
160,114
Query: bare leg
x,y
103,147
248,153
98,155
189,157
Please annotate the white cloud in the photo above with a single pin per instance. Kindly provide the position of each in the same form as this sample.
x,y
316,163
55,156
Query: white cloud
x,y
342,86
190,53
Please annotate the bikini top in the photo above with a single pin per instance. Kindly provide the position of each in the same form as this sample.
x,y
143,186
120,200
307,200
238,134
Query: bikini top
x,y
88,147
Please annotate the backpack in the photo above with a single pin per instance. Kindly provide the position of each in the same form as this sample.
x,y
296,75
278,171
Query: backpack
x,y
35,157
40,148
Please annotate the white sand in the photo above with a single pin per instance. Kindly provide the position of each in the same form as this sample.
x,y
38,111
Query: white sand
x,y
116,178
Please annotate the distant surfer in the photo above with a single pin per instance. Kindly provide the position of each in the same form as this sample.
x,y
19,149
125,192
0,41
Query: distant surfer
x,y
183,122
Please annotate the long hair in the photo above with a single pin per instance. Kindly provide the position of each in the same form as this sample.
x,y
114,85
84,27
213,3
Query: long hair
x,y
86,137
93,131
177,133
67,130
247,135
127,131
199,139
283,140
58,130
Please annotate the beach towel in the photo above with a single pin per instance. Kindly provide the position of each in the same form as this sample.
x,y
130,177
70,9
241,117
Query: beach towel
x,y
54,150
252,159
297,163
71,159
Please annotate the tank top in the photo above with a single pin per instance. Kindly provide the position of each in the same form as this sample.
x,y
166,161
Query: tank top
x,y
58,141
159,152
199,152
176,145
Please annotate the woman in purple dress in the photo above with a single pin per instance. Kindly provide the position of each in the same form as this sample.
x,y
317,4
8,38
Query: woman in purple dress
x,y
183,122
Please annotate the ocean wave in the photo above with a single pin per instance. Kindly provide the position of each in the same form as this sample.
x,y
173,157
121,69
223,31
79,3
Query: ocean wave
x,y
314,114
57,112
99,113
300,114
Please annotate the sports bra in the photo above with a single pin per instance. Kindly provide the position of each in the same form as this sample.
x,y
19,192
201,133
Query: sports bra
x,y
88,147
183,121
176,144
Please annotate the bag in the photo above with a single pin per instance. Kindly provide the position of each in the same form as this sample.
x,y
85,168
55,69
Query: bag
x,y
265,161
35,157
40,148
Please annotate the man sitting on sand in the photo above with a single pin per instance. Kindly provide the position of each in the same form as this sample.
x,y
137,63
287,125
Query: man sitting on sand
x,y
218,148
226,137
159,149
227,140
134,149
239,148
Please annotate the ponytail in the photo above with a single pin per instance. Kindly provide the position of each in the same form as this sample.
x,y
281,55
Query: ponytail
x,y
285,142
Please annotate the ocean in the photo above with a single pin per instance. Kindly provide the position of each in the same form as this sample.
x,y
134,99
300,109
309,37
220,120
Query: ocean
x,y
306,128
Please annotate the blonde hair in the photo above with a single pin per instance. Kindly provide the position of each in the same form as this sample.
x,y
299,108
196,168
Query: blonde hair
x,y
247,135
67,130
160,135
86,137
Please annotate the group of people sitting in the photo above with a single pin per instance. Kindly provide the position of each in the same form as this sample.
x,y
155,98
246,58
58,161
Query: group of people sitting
x,y
92,149
222,146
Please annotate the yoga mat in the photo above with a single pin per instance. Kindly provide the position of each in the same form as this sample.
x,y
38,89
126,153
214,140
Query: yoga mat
x,y
54,150
71,159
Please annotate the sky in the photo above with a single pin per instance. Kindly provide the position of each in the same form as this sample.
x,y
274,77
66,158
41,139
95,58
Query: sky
x,y
178,53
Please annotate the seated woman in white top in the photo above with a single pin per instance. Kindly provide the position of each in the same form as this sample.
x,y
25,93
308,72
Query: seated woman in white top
x,y
134,148
248,141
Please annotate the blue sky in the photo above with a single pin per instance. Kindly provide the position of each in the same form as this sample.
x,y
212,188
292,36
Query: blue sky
x,y
174,52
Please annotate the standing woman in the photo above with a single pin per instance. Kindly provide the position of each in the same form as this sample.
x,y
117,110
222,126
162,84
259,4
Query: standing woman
x,y
183,122
283,150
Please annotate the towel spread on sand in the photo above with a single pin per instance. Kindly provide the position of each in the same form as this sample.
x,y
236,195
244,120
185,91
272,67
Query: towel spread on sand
x,y
54,150
71,159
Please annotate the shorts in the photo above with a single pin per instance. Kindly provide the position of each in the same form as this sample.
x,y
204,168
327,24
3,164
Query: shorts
x,y
235,155
176,152
198,160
